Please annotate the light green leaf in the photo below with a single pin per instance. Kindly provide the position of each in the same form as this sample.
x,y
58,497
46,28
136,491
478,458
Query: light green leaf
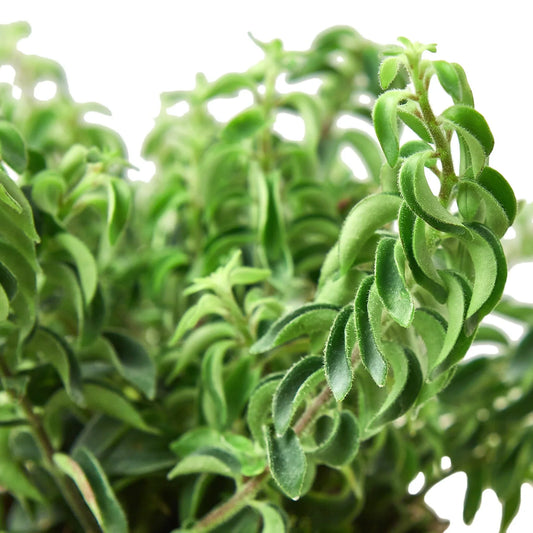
x,y
272,518
449,79
258,412
118,207
337,355
297,382
244,125
287,461
384,116
388,71
368,215
47,191
211,460
367,149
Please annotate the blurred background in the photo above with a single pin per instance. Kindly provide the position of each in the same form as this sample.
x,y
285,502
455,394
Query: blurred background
x,y
124,54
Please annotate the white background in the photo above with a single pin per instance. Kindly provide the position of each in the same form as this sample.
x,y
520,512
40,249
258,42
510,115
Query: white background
x,y
123,54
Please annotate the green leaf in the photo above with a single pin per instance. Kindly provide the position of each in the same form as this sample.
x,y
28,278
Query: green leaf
x,y
118,207
12,476
368,215
510,508
305,320
4,304
500,189
420,199
472,121
54,350
213,398
287,461
490,270
272,518
384,116
297,382
343,445
407,221
21,213
111,403
432,328
258,412
211,460
449,79
390,282
474,491
244,125
337,356
73,165
244,275
113,518
408,381
84,261
365,313
133,362
388,71
229,85
47,191
12,147
310,111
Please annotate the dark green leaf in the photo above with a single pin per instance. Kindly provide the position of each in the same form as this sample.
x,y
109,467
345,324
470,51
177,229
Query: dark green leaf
x,y
343,445
118,207
390,282
474,491
258,412
337,355
297,382
212,460
287,461
133,362
371,355
499,187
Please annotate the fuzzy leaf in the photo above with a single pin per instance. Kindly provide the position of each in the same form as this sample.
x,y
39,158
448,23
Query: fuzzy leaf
x,y
500,189
388,71
272,518
390,283
337,356
287,461
371,355
292,389
449,79
305,320
384,116
343,445
364,219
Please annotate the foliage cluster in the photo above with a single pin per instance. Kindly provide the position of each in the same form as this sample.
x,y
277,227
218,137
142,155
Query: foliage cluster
x,y
258,339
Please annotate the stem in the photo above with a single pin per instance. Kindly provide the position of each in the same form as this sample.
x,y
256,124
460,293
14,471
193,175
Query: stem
x,y
448,177
226,510
67,487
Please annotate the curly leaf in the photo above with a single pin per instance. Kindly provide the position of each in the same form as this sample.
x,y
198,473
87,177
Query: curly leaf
x,y
343,444
449,79
272,518
244,125
390,282
12,147
368,215
371,355
292,389
384,116
287,461
337,355
118,208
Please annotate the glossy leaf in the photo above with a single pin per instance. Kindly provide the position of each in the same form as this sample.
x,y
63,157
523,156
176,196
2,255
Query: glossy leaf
x,y
297,382
337,355
371,355
384,116
390,282
304,320
287,461
368,215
